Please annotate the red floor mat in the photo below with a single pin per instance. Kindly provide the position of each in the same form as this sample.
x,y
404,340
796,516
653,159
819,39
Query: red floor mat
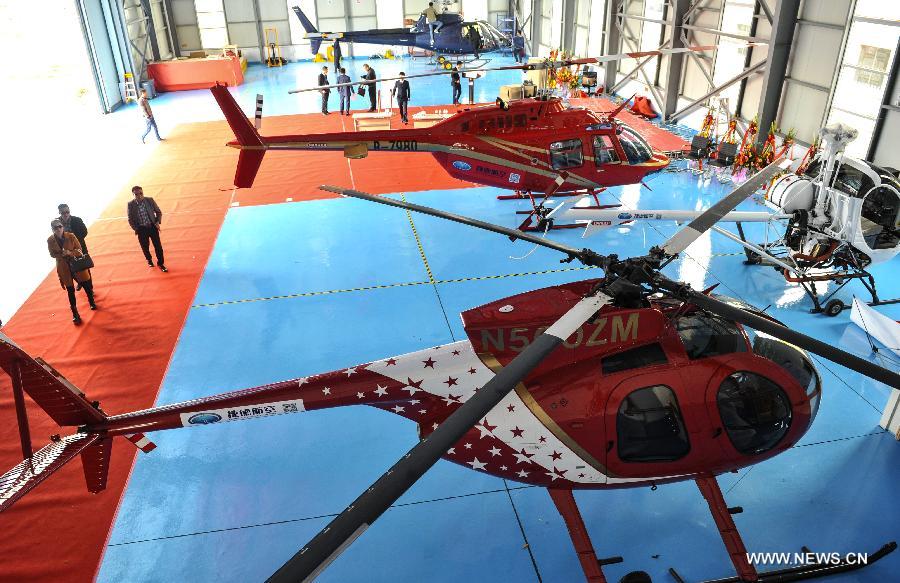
x,y
119,356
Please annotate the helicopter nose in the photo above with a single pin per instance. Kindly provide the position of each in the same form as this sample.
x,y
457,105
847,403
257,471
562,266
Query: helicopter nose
x,y
658,162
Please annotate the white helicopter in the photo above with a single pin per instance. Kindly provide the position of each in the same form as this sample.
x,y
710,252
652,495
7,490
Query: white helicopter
x,y
839,217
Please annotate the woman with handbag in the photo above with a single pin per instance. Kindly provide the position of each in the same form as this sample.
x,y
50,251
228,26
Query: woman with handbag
x,y
71,265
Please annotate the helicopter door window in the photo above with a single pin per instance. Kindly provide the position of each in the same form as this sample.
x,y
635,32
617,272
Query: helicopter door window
x,y
650,428
704,335
566,154
647,355
636,148
755,411
604,151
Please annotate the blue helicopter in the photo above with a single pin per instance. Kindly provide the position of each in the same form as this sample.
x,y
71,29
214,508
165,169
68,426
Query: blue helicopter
x,y
456,36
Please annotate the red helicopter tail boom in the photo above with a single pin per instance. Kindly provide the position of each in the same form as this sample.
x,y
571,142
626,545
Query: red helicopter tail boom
x,y
248,139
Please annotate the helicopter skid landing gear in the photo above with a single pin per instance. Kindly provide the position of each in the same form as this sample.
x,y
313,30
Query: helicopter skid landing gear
x,y
709,487
542,213
581,540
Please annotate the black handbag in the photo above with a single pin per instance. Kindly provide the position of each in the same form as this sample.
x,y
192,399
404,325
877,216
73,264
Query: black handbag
x,y
361,90
81,263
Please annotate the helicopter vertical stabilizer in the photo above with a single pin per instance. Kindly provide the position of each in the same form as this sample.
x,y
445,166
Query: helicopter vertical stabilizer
x,y
248,139
314,41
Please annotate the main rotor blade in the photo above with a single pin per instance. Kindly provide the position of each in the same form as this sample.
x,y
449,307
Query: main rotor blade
x,y
537,66
851,361
340,533
586,256
692,231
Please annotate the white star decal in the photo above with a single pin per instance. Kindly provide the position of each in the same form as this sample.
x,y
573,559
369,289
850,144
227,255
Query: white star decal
x,y
381,391
350,371
452,450
423,411
434,426
522,474
468,446
495,451
360,395
412,390
414,402
485,432
398,409
503,468
521,458
326,391
303,381
477,465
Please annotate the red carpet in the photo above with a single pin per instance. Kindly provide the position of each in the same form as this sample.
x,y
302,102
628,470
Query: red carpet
x,y
119,356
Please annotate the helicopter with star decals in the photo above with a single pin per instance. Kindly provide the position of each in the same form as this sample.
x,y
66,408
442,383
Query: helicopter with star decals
x,y
625,381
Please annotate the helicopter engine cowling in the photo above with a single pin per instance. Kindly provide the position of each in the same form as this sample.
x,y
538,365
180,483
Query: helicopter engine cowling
x,y
792,193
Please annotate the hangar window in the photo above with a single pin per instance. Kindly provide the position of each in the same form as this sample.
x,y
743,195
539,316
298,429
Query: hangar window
x,y
566,154
211,23
755,411
872,60
705,335
639,357
649,426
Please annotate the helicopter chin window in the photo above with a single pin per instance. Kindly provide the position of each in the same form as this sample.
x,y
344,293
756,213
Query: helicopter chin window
x,y
755,411
704,335
649,426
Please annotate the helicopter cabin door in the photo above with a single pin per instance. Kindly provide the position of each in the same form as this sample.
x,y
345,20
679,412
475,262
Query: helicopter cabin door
x,y
652,427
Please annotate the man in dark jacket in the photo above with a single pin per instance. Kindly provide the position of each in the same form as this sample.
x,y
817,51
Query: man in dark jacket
x,y
323,80
73,225
370,85
456,84
145,218
402,93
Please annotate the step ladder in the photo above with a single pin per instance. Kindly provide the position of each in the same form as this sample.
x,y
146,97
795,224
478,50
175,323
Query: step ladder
x,y
130,88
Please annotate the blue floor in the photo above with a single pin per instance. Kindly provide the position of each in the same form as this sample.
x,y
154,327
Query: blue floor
x,y
233,502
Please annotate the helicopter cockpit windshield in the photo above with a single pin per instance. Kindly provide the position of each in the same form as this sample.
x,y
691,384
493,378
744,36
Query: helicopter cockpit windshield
x,y
637,150
795,361
705,335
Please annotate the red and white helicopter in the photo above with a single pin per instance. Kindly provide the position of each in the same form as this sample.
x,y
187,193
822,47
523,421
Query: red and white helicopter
x,y
837,218
631,380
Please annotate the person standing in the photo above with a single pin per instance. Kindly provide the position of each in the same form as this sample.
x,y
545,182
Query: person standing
x,y
144,105
402,92
370,85
145,218
64,247
456,84
73,225
475,38
431,18
323,80
519,46
344,91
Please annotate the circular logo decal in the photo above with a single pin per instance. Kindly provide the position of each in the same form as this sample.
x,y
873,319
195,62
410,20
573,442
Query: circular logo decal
x,y
204,418
460,165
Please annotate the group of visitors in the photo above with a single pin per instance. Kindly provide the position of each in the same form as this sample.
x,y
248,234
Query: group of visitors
x,y
68,246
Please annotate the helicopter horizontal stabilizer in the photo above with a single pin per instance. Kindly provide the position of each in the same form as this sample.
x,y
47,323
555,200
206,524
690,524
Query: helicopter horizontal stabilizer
x,y
30,472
